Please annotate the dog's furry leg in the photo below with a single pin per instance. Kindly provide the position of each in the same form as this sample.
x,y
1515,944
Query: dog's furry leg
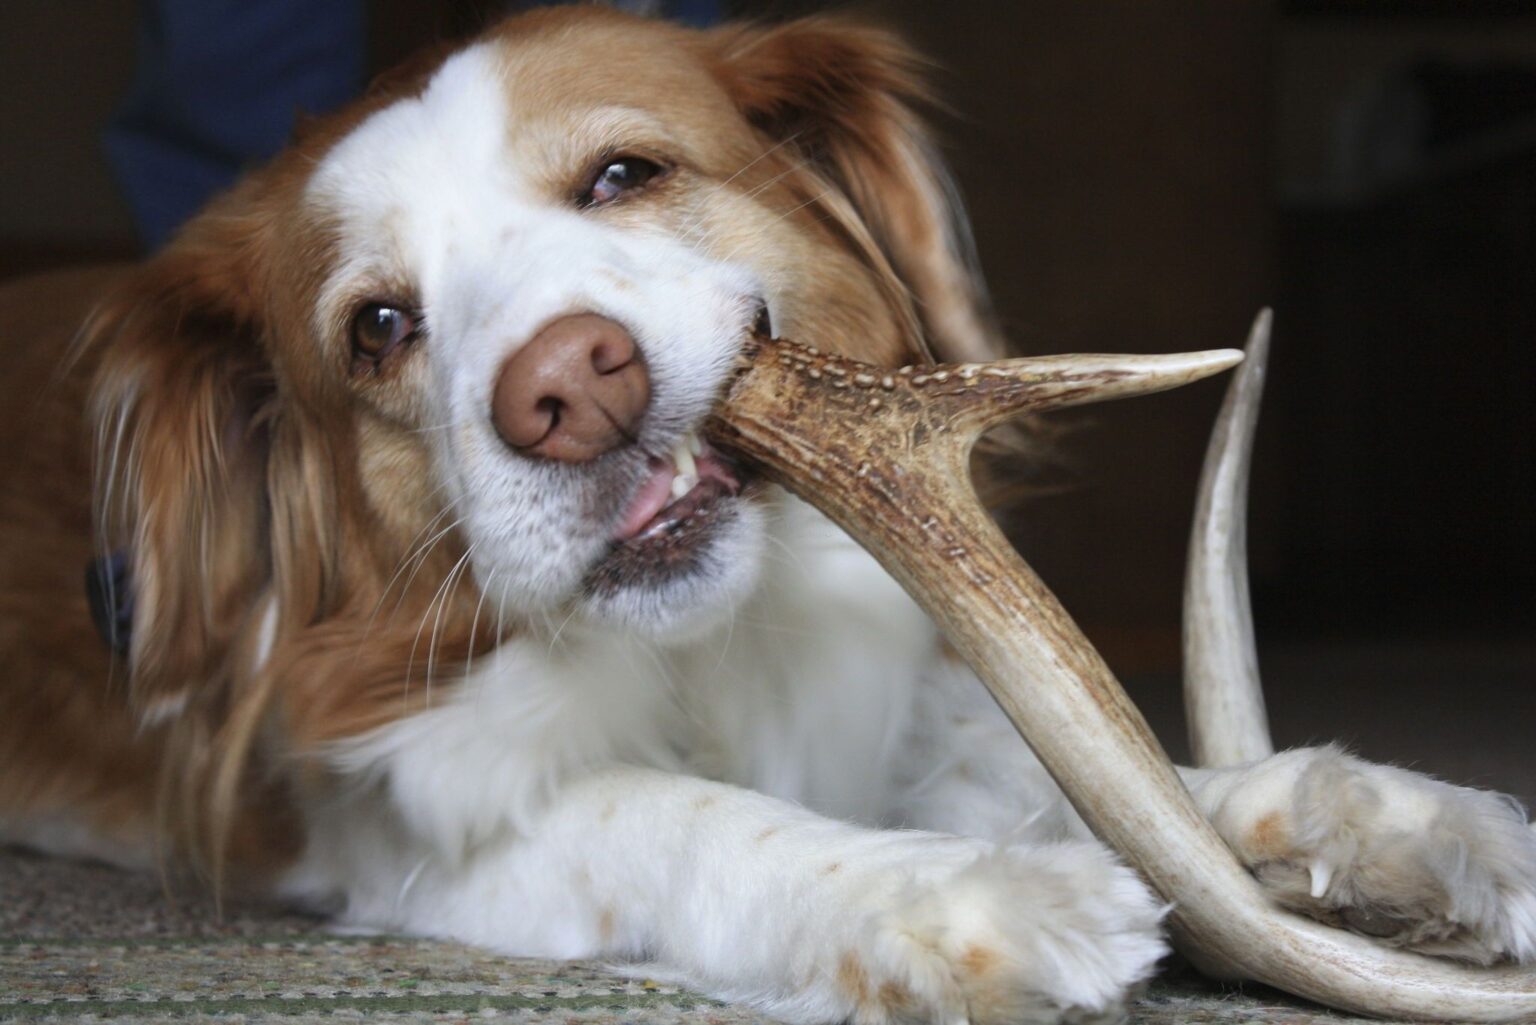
x,y
753,899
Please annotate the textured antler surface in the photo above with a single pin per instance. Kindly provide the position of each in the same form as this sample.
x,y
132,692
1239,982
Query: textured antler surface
x,y
886,455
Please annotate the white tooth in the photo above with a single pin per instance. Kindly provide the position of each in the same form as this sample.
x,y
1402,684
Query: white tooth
x,y
682,484
682,458
695,445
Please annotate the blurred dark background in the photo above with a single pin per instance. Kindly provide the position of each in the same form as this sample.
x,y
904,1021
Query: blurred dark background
x,y
1143,175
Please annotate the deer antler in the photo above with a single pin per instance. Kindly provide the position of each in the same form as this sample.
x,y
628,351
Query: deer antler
x,y
885,455
1223,700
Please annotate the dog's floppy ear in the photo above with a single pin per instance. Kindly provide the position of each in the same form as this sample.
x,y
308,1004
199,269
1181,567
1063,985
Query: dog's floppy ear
x,y
179,403
843,95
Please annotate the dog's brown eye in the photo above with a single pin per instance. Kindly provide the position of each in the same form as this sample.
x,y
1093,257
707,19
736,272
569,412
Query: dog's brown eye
x,y
619,176
378,328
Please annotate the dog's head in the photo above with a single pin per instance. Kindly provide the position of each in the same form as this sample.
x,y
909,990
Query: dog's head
x,y
452,348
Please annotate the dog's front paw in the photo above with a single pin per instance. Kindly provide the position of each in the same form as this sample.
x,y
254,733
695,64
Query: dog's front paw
x,y
1386,852
1058,933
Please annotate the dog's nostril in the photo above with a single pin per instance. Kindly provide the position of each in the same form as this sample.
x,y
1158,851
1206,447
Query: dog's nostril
x,y
608,358
550,407
578,389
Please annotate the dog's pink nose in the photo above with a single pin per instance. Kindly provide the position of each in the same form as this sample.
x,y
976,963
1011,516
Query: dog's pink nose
x,y
577,390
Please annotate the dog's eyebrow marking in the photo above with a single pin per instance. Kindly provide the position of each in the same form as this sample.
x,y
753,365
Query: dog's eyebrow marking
x,y
617,120
586,136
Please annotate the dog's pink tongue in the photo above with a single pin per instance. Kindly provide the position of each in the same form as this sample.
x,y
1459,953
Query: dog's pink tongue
x,y
654,496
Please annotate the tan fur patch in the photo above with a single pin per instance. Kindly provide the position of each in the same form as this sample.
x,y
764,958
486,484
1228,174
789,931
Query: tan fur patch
x,y
894,997
979,961
605,926
1269,838
853,978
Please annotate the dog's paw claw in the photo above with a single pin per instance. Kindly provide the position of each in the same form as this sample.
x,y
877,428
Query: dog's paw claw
x,y
1392,854
1321,874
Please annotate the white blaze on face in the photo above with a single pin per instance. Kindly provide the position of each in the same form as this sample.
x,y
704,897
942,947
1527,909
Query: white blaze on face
x,y
446,201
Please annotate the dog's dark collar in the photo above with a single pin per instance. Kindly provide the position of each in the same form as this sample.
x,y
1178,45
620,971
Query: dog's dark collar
x,y
109,589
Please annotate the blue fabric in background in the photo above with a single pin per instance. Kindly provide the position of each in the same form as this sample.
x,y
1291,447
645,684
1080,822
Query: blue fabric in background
x,y
219,85
698,13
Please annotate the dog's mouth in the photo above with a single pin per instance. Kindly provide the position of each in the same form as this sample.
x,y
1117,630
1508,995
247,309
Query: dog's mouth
x,y
682,486
689,495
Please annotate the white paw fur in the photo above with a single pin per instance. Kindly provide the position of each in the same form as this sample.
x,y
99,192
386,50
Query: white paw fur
x,y
1393,854
1056,933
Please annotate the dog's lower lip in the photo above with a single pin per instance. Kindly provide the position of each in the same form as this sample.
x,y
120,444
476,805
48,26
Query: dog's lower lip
x,y
703,495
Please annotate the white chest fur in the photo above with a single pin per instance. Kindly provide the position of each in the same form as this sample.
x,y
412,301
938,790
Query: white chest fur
x,y
804,692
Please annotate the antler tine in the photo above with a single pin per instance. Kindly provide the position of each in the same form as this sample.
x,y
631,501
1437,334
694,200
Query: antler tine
x,y
1223,697
888,464
961,401
983,395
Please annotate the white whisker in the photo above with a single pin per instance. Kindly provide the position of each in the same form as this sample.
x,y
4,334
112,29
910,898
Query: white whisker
x,y
474,625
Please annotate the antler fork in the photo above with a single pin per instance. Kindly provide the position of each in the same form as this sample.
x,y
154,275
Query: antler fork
x,y
886,456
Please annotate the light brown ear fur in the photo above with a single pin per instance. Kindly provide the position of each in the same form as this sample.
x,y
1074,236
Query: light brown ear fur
x,y
180,406
844,95
177,405
227,469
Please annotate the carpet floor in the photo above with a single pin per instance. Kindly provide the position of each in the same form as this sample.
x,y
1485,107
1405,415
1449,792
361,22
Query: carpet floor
x,y
84,944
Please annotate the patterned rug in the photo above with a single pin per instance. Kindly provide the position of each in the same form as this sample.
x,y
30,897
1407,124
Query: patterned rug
x,y
87,944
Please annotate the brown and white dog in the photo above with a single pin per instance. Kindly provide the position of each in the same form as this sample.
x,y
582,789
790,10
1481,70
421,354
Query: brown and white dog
x,y
439,608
